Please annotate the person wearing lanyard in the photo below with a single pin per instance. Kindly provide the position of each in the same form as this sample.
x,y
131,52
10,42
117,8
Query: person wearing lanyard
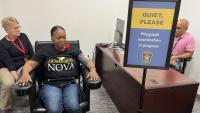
x,y
183,46
15,50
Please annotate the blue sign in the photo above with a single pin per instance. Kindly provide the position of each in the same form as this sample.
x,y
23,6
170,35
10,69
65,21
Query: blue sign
x,y
150,33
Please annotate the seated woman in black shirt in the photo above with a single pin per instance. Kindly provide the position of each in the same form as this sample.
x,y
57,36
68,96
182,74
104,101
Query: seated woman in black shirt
x,y
15,50
58,62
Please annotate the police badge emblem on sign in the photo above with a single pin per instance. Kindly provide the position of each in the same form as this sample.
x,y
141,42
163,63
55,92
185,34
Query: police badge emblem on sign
x,y
147,56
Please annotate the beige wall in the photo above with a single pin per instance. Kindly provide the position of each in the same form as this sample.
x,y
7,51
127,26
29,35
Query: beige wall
x,y
1,15
89,21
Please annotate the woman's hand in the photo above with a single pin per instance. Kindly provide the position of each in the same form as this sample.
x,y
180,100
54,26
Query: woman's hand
x,y
92,75
24,79
27,68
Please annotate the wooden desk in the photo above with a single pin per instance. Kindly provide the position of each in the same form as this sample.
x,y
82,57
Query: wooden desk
x,y
166,91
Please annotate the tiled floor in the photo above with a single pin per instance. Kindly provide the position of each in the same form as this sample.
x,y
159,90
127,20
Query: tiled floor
x,y
196,108
100,103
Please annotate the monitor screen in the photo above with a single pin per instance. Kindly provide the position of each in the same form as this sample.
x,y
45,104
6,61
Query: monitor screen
x,y
119,32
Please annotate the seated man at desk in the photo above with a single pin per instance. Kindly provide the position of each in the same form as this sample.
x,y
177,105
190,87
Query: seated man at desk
x,y
183,46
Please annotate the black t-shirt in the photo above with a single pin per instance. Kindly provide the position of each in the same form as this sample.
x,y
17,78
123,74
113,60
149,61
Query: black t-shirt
x,y
57,64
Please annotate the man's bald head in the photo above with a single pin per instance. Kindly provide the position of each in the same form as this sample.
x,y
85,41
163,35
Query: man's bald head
x,y
184,22
181,27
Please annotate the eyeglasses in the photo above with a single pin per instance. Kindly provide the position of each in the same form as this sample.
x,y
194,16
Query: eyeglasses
x,y
17,27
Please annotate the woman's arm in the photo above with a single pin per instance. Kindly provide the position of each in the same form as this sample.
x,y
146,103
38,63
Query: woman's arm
x,y
92,75
28,67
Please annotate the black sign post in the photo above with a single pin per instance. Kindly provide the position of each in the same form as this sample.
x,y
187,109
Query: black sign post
x,y
150,33
142,91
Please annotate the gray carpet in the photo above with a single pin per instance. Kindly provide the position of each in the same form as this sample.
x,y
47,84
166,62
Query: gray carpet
x,y
100,101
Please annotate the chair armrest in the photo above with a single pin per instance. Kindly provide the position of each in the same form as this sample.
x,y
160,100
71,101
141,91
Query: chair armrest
x,y
186,59
23,90
93,84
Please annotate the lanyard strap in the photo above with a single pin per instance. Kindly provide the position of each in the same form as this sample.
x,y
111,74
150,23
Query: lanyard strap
x,y
176,43
22,46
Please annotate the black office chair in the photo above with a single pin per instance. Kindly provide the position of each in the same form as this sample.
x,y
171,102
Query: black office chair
x,y
184,64
36,105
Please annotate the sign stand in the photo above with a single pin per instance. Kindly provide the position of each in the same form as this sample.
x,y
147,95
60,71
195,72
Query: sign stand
x,y
142,91
151,27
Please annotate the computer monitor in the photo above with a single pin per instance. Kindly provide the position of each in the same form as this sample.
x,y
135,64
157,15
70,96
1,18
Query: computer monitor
x,y
119,33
